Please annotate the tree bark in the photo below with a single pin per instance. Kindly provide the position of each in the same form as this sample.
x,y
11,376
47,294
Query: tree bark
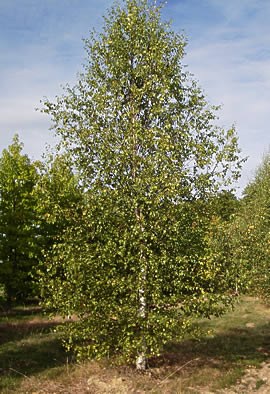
x,y
141,360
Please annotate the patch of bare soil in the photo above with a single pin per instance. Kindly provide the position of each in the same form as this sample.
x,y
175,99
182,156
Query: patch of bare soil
x,y
95,380
255,380
102,381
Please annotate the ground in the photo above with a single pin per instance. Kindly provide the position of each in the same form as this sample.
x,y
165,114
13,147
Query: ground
x,y
254,381
232,355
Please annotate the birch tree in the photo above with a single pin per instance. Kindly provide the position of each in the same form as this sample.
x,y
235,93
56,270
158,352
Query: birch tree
x,y
253,230
18,222
136,265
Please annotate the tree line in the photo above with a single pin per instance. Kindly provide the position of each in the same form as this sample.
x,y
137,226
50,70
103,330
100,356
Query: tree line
x,y
33,199
133,227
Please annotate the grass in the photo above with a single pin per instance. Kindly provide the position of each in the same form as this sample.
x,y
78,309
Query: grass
x,y
238,340
259,384
28,346
33,361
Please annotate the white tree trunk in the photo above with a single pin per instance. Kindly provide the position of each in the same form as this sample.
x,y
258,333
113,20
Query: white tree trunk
x,y
141,362
141,359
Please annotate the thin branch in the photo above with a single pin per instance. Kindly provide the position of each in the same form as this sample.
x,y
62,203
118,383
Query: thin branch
x,y
177,370
19,373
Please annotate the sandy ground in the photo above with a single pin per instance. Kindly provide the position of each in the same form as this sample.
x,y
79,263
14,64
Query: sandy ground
x,y
255,380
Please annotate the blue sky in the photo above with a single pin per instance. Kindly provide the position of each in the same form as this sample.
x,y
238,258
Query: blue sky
x,y
228,52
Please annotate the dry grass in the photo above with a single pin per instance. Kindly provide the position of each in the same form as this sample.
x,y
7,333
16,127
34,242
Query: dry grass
x,y
32,360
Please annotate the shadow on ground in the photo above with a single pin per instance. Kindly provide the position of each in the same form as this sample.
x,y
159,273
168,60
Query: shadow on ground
x,y
245,346
19,312
29,346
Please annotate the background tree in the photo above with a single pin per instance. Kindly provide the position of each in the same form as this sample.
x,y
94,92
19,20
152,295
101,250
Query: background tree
x,y
224,204
18,222
137,264
58,192
59,196
253,230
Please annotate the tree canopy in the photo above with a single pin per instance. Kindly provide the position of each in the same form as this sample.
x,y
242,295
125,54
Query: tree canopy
x,y
18,221
252,225
137,261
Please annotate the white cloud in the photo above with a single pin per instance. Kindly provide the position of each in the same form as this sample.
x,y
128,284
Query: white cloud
x,y
232,63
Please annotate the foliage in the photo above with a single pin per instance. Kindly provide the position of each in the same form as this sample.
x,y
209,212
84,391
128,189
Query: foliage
x,y
137,262
58,192
58,195
18,222
253,230
226,239
225,204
